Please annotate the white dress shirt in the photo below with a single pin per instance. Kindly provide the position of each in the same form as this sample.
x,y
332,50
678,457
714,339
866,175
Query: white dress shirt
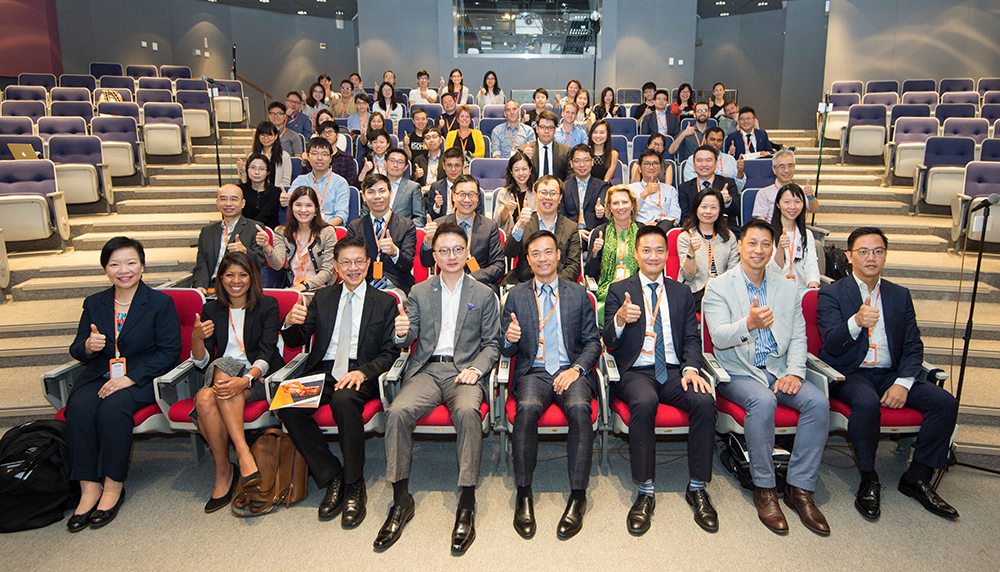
x,y
878,335
449,318
358,304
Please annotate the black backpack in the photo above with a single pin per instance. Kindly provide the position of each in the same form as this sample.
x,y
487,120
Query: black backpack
x,y
35,488
837,266
735,458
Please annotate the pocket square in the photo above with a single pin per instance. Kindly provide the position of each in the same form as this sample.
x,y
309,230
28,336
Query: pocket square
x,y
472,306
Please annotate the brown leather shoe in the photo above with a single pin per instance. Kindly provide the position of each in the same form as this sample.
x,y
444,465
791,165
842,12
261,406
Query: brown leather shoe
x,y
801,501
768,509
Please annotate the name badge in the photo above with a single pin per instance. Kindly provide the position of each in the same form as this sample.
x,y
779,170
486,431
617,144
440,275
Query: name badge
x,y
619,273
540,354
472,264
377,270
872,358
711,277
790,277
117,367
649,343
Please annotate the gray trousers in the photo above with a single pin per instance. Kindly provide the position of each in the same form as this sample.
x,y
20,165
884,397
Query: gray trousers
x,y
430,387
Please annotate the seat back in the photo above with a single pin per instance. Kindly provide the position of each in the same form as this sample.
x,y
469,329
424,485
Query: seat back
x,y
230,88
34,141
846,87
868,115
673,266
175,72
144,96
493,112
353,205
946,110
882,86
619,143
187,302
747,198
101,69
46,80
813,339
949,151
78,149
628,96
16,126
36,178
909,110
843,101
72,109
34,216
49,126
117,129
157,112
982,179
191,99
919,85
887,99
70,94
951,85
971,97
486,125
990,150
139,71
124,94
487,170
420,272
925,97
526,107
624,126
118,109
759,173
991,112
155,83
991,97
988,84
433,110
974,127
915,129
118,81
78,80
191,84
25,93
286,299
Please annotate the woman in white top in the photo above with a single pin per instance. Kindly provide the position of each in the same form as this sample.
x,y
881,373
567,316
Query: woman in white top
x,y
512,197
707,245
490,93
314,101
303,246
584,115
794,242
386,105
455,87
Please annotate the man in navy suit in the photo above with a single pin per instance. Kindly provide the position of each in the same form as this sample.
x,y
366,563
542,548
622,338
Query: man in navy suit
x,y
746,139
393,239
660,120
870,335
659,360
554,353
705,159
582,192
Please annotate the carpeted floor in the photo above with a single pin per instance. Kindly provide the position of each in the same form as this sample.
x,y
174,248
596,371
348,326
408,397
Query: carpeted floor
x,y
162,525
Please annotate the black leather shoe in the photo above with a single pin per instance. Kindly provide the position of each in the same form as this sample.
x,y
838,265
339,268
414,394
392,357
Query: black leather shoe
x,y
333,500
641,514
78,522
465,530
704,512
524,516
355,501
215,503
924,493
101,517
868,501
572,518
392,528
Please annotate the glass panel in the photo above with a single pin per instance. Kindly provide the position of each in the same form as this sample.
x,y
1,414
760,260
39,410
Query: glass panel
x,y
527,29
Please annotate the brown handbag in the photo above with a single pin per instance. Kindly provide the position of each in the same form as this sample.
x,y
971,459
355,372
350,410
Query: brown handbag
x,y
284,476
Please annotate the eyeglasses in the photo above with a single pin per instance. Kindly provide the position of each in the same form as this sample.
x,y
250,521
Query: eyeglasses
x,y
319,154
546,127
548,194
467,195
582,161
397,161
275,113
353,263
786,167
445,252
649,164
864,252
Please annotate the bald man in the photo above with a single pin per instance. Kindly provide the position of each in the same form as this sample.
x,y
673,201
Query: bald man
x,y
234,233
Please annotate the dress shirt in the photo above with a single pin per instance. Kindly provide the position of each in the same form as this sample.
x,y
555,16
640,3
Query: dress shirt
x,y
749,138
573,138
385,221
357,307
518,233
765,344
725,166
557,316
883,359
581,191
661,122
449,318
333,193
545,149
504,140
669,352
650,211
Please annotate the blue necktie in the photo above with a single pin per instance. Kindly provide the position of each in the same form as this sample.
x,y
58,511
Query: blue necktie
x,y
378,228
550,332
660,355
467,229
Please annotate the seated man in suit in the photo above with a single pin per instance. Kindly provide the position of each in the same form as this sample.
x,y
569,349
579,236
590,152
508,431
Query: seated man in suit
x,y
332,189
549,156
235,234
548,193
658,202
659,359
726,165
582,193
692,136
705,159
455,322
392,238
440,193
555,353
660,120
354,345
755,318
486,261
407,200
747,139
870,335
783,165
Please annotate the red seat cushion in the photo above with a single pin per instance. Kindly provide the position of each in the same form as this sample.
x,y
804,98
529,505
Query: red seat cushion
x,y
551,417
905,417
440,417
324,415
666,415
140,417
180,412
783,417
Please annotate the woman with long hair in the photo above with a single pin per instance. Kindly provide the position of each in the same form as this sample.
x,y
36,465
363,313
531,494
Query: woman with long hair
x,y
605,158
706,244
490,93
718,100
261,197
584,115
303,246
684,106
612,245
315,101
468,139
386,104
376,123
375,157
795,252
516,193
572,88
606,107
454,86
267,142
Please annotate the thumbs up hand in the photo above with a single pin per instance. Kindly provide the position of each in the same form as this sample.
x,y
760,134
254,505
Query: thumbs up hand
x,y
430,229
628,313
599,209
732,148
263,240
513,330
96,341
522,221
725,193
696,242
867,315
760,316
402,322
438,202
598,243
297,315
201,329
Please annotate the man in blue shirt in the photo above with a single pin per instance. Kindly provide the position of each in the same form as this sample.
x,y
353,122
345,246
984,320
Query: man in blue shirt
x,y
297,121
331,188
569,133
507,137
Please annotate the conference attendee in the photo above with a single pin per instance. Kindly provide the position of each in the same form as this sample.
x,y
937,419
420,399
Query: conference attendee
x,y
351,326
266,142
235,341
341,162
548,195
718,100
507,137
455,323
122,349
870,335
725,164
584,115
358,121
541,99
549,157
728,119
748,140
261,197
290,139
759,334
573,87
302,248
376,157
376,125
683,107
569,133
313,102
660,120
639,112
335,138
555,349
423,94
518,192
707,244
331,188
486,260
327,82
582,192
795,257
234,234
653,333
705,159
447,121
455,87
386,104
612,246
297,121
439,201
413,142
605,157
783,165
344,107
390,78
490,93
407,200
464,137
428,166
606,107
393,239
658,143
694,135
658,202
359,86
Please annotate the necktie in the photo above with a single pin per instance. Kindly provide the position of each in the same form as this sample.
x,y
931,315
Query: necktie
x,y
705,184
550,332
545,160
467,229
660,356
344,337
750,145
378,228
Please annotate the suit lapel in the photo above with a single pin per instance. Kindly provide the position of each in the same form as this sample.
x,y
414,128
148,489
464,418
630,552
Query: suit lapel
x,y
566,299
435,321
331,318
366,310
135,310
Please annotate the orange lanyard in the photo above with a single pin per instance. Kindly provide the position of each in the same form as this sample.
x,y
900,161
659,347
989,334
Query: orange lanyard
x,y
463,141
653,311
235,333
663,123
878,292
541,323
452,122
302,252
493,98
343,108
567,137
385,231
316,186
225,234
791,249
432,165
514,136
379,168
710,246
746,141
622,245
659,195
283,129
699,141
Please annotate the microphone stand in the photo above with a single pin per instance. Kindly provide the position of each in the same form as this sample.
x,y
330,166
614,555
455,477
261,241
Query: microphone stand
x,y
822,142
215,123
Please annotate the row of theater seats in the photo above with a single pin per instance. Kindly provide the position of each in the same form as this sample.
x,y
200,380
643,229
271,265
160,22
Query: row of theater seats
x,y
981,86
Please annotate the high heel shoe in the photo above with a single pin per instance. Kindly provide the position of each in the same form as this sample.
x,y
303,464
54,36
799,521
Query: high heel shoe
x,y
253,479
214,503
102,517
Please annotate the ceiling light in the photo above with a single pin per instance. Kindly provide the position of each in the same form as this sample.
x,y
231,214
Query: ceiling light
x,y
724,14
720,3
302,12
762,3
264,1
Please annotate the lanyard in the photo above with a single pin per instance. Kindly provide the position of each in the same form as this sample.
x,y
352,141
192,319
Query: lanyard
x,y
699,141
463,141
237,334
343,108
493,98
450,123
878,292
710,246
120,322
514,136
432,165
316,186
541,323
659,196
379,167
746,141
283,129
302,251
653,311
225,234
663,123
385,231
567,137
622,245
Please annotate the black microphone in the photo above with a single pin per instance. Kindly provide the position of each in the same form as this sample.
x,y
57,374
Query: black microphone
x,y
991,200
826,96
210,80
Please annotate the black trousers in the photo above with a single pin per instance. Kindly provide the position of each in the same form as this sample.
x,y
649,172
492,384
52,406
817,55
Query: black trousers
x,y
347,405
99,431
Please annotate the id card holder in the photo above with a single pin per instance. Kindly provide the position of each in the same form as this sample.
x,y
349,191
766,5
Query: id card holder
x,y
872,358
117,367
300,279
619,273
472,264
540,354
649,343
711,276
790,277
377,270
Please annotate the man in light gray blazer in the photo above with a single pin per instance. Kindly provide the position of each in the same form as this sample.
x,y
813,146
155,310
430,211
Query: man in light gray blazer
x,y
407,199
754,316
455,322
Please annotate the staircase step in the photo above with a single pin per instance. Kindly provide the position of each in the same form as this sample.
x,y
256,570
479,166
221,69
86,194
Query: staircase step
x,y
977,439
166,193
938,289
207,150
80,286
851,192
34,351
982,353
157,206
29,330
857,180
902,225
199,180
876,208
225,157
150,239
943,329
127,223
924,242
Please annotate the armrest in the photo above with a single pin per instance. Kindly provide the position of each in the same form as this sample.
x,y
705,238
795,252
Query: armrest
x,y
165,387
843,144
933,374
61,225
57,383
290,370
820,374
610,367
918,183
389,383
395,372
591,284
603,404
714,370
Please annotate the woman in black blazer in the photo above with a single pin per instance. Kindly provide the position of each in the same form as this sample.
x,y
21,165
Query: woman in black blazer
x,y
131,331
239,331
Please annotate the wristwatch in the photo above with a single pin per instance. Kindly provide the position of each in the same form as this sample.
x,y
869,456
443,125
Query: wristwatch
x,y
580,370
689,256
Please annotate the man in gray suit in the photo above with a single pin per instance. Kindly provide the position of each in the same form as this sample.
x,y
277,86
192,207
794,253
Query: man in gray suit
x,y
407,199
555,352
234,234
755,319
455,322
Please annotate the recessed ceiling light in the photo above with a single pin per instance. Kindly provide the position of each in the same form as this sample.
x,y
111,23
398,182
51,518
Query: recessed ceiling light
x,y
302,12
762,3
264,1
321,0
213,0
720,3
724,14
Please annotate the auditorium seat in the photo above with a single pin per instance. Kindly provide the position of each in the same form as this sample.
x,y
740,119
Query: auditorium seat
x,y
163,129
845,87
33,140
487,125
946,110
759,173
618,143
981,180
493,112
72,109
951,85
624,126
138,71
907,110
882,86
78,80
991,97
489,172
81,173
526,107
49,126
156,83
969,97
197,112
919,85
925,97
16,126
865,132
120,142
433,110
628,96
31,208
46,80
990,150
124,93
906,150
175,72
118,109
26,93
941,175
991,113
100,69
887,99
117,81
986,84
836,117
144,96
975,127
229,104
70,94
190,84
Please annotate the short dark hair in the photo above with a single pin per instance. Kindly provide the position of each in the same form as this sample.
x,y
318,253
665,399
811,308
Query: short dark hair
x,y
465,178
545,179
662,92
350,242
417,110
715,129
362,97
373,178
706,147
542,91
329,125
256,290
325,76
757,223
705,103
396,150
448,94
728,102
422,73
649,85
547,115
118,243
650,229
539,234
295,93
348,82
747,109
651,153
319,142
452,153
355,74
865,231
449,228
581,148
277,104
